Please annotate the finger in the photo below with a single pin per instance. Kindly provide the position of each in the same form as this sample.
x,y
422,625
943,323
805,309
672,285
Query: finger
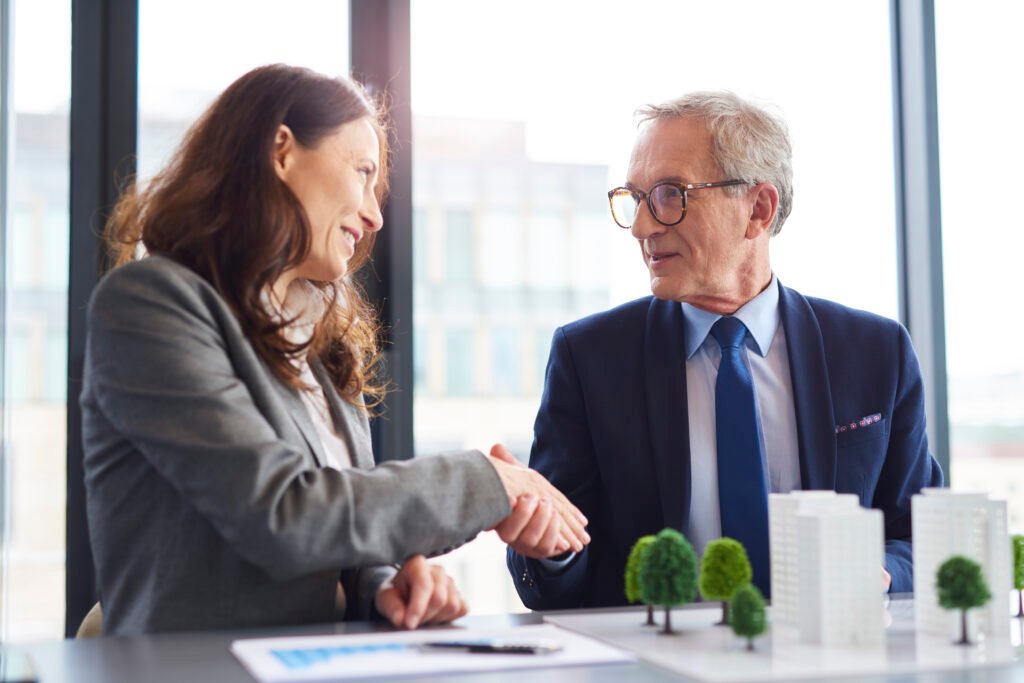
x,y
570,508
560,498
389,604
453,606
538,525
438,596
510,527
421,586
502,453
547,544
572,517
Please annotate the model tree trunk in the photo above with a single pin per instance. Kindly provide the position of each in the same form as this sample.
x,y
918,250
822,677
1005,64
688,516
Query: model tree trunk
x,y
964,640
1020,604
725,614
650,616
668,620
750,644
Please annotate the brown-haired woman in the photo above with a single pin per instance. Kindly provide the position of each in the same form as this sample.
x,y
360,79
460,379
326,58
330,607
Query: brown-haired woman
x,y
229,476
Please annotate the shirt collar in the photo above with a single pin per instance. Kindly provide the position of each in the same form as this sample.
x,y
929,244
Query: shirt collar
x,y
760,315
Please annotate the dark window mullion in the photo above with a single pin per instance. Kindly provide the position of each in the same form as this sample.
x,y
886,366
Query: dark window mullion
x,y
918,208
380,59
104,109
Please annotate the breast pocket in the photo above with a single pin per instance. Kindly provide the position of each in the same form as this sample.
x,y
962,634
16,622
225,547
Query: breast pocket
x,y
860,454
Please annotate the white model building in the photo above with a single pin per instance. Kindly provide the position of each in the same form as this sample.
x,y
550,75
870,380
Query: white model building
x,y
784,543
841,556
969,524
827,554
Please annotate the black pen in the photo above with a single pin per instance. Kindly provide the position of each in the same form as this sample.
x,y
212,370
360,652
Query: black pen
x,y
495,647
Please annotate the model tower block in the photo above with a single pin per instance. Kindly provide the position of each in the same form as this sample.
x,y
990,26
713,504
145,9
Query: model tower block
x,y
970,524
841,554
784,538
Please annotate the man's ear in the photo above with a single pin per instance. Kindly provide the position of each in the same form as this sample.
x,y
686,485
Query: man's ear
x,y
284,151
763,210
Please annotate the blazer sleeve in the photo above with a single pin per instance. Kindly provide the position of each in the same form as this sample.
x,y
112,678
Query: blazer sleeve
x,y
563,452
159,370
908,467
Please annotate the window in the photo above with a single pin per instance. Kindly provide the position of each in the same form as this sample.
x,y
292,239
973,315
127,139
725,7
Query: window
x,y
978,51
544,132
36,282
176,84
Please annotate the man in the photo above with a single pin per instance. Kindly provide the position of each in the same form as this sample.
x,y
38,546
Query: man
x,y
686,408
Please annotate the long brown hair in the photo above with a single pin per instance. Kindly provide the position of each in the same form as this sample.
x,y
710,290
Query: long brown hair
x,y
219,209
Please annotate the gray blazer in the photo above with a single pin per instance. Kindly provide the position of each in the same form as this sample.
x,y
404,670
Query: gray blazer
x,y
207,499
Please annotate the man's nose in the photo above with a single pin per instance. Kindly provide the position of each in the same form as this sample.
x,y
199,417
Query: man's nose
x,y
644,224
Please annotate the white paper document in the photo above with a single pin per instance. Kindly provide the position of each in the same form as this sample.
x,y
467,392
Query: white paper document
x,y
377,655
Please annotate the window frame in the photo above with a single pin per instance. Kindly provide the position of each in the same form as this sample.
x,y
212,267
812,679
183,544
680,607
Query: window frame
x,y
104,106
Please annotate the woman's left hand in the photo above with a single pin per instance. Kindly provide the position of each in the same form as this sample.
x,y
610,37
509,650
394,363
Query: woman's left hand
x,y
420,594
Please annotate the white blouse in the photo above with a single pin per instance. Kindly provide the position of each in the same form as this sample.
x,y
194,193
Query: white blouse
x,y
307,303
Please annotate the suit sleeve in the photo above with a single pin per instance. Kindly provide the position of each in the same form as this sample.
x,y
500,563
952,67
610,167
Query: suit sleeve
x,y
908,467
563,452
159,371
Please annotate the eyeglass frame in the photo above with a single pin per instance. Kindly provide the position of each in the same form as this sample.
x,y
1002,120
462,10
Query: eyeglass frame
x,y
646,197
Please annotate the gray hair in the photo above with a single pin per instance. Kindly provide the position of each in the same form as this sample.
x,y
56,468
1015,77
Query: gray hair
x,y
749,142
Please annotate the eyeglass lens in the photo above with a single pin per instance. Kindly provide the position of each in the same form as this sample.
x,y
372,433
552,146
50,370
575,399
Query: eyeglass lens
x,y
667,201
624,207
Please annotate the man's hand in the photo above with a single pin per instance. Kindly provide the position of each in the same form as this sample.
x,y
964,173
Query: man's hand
x,y
420,594
886,580
543,522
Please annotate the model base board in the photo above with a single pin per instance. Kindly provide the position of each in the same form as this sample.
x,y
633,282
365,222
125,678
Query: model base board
x,y
706,652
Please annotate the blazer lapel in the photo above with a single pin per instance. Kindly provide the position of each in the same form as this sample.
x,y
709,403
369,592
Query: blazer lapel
x,y
300,416
349,421
812,392
668,423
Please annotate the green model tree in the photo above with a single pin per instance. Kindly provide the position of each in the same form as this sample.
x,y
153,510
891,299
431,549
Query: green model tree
x,y
633,594
723,569
668,573
748,618
961,586
1018,573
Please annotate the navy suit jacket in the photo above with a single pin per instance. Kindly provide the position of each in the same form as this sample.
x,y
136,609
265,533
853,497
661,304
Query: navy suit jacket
x,y
612,432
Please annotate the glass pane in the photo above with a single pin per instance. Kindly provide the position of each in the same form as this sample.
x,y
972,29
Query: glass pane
x,y
531,137
176,84
978,51
36,321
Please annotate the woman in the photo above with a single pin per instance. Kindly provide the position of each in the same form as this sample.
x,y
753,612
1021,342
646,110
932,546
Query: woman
x,y
228,467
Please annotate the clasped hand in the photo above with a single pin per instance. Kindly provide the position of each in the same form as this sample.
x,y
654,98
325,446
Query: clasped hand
x,y
419,594
543,522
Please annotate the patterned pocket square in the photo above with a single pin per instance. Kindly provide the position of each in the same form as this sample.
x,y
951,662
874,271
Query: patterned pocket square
x,y
865,421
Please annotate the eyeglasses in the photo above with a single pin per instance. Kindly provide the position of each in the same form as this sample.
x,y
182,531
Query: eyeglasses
x,y
666,201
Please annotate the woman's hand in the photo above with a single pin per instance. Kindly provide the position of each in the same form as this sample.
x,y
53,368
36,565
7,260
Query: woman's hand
x,y
543,522
419,594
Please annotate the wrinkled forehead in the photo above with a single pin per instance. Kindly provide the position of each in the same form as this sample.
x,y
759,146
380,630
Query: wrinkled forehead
x,y
677,148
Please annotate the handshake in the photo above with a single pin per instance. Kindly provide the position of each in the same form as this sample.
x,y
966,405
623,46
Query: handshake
x,y
543,522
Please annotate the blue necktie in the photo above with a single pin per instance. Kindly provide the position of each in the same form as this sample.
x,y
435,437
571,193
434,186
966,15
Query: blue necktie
x,y
742,492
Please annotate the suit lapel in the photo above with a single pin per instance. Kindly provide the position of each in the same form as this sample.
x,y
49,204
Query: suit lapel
x,y
665,370
349,422
300,416
812,393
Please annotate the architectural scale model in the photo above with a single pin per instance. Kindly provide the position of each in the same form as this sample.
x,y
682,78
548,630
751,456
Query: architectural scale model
x,y
785,546
827,553
946,523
